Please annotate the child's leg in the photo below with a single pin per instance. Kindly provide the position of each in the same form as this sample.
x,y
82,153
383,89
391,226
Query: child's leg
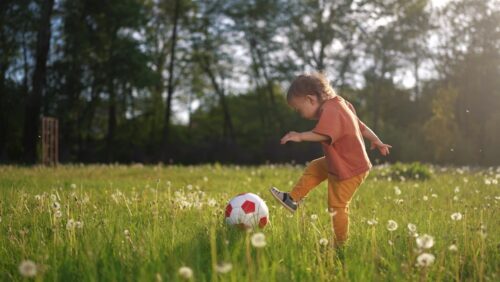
x,y
339,195
315,172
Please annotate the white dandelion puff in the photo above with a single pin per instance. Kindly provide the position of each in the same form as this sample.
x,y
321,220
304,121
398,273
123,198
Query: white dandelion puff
x,y
372,221
456,216
455,198
412,227
70,224
73,186
457,189
425,241
126,232
323,241
258,240
224,267
28,268
425,198
425,259
79,224
314,217
453,248
397,191
56,205
57,213
392,225
185,272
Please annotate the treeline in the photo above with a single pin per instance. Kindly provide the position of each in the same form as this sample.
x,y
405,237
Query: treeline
x,y
200,81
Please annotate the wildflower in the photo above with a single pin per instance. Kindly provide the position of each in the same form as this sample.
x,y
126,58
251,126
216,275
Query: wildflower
x,y
323,241
425,241
79,224
412,227
397,191
212,202
425,259
223,267
70,224
258,240
28,268
453,248
456,216
392,225
186,272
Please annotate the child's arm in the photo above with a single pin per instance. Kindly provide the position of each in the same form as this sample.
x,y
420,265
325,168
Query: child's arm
x,y
376,143
303,136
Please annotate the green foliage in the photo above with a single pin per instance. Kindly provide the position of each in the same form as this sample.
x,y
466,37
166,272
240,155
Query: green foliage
x,y
406,171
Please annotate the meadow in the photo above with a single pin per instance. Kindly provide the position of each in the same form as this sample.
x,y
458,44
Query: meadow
x,y
166,223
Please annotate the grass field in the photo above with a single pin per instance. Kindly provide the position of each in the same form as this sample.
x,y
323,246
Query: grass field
x,y
163,223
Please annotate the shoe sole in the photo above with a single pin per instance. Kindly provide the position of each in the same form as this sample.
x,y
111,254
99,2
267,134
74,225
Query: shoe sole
x,y
281,202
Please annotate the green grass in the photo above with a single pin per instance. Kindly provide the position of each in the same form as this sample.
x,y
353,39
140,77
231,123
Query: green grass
x,y
166,234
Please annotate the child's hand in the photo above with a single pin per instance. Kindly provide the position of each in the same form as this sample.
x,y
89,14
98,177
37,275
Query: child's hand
x,y
291,136
383,148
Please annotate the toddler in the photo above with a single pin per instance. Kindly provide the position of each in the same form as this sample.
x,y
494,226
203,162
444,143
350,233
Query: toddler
x,y
340,131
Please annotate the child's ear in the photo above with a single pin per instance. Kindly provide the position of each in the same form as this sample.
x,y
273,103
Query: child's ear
x,y
312,98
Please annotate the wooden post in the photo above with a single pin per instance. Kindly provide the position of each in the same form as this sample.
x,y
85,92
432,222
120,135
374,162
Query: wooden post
x,y
50,141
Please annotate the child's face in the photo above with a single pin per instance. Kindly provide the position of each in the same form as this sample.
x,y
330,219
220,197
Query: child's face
x,y
307,106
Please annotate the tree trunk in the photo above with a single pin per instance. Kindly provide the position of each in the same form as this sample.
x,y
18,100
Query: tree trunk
x,y
170,90
111,121
34,101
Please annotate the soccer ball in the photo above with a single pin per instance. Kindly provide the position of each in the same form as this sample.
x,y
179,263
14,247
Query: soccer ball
x,y
247,211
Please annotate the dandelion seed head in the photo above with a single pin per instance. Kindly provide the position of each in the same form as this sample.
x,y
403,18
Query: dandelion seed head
x,y
314,217
258,240
425,259
456,216
392,225
28,268
412,227
224,267
453,248
425,241
323,241
397,191
185,272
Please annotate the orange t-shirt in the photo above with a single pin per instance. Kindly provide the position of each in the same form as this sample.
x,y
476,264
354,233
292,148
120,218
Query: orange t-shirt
x,y
345,153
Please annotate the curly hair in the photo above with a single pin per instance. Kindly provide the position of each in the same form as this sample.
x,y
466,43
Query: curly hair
x,y
311,84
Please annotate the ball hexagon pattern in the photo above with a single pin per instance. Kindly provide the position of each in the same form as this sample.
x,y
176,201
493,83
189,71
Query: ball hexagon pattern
x,y
247,210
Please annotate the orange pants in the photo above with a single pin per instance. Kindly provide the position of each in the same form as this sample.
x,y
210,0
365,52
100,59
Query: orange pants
x,y
340,193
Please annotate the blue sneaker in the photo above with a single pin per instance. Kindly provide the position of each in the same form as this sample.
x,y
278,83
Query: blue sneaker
x,y
284,199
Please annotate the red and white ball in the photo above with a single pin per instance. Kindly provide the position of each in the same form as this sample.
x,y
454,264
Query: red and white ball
x,y
246,211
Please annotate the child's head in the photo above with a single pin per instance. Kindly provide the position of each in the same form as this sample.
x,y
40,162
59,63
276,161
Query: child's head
x,y
307,92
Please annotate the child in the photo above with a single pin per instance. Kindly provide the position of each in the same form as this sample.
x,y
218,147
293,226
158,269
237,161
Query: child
x,y
345,164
